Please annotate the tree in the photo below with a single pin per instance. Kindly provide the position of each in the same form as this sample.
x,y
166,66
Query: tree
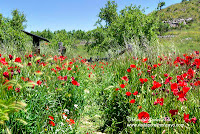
x,y
108,13
184,0
161,4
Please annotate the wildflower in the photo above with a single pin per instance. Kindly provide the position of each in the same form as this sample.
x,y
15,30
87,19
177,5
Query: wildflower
x,y
173,112
6,75
10,57
122,86
129,70
17,89
186,118
132,101
194,120
166,75
51,117
18,59
117,89
132,66
39,82
144,117
143,80
159,101
128,93
125,78
155,85
135,93
52,123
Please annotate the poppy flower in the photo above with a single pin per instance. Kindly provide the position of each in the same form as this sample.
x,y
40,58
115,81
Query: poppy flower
x,y
156,85
70,121
117,89
181,95
135,93
145,59
132,66
144,117
186,89
143,80
159,101
69,68
168,80
6,74
18,59
132,101
52,123
51,117
166,75
174,86
186,118
125,78
39,82
129,70
17,89
173,112
128,93
75,83
139,107
10,57
10,88
122,86
194,120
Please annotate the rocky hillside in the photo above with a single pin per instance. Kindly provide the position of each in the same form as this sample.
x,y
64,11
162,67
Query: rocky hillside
x,y
184,10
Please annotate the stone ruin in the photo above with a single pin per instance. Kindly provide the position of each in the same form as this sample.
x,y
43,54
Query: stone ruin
x,y
177,22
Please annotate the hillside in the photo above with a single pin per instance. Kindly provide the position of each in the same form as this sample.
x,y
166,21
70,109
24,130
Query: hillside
x,y
183,10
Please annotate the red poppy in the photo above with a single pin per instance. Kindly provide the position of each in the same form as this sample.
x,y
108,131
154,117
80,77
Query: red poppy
x,y
117,89
122,86
143,80
135,93
174,86
132,101
159,101
139,107
10,57
145,59
166,75
6,74
186,89
39,82
52,123
10,88
144,117
182,83
70,121
18,59
128,93
69,68
194,120
17,89
125,78
168,80
129,70
132,66
173,112
156,85
181,95
51,117
186,118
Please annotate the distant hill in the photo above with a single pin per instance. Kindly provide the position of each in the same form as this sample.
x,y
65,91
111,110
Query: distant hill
x,y
183,10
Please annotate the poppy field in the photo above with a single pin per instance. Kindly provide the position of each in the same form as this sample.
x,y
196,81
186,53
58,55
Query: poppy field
x,y
131,94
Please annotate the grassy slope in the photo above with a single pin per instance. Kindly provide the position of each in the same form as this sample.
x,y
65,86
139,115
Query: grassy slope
x,y
187,39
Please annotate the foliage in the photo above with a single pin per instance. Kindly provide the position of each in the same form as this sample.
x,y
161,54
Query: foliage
x,y
161,4
131,23
10,29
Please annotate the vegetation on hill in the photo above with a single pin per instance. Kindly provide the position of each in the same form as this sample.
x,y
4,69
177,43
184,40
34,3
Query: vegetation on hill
x,y
183,10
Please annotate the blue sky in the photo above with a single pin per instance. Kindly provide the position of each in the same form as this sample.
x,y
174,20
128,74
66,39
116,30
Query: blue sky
x,y
67,14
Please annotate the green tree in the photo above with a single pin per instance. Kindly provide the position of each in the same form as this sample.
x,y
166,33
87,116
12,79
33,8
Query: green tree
x,y
108,13
160,5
